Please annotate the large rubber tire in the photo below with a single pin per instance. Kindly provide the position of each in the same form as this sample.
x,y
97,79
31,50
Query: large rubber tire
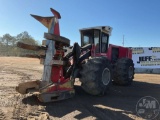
x,y
123,72
95,75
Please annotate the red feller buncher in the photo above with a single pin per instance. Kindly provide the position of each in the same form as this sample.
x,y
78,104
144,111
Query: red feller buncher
x,y
96,62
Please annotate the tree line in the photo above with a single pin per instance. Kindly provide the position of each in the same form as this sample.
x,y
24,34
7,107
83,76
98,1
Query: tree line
x,y
8,44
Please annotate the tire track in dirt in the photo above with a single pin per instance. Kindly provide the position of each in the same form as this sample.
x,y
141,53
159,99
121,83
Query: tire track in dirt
x,y
21,110
27,75
38,115
24,76
4,66
2,115
91,109
96,106
12,102
34,109
18,108
28,108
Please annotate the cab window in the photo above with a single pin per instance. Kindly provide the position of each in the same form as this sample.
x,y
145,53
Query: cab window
x,y
104,42
96,40
87,37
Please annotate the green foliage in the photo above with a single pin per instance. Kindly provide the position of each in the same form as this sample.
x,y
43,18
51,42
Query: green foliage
x,y
8,44
26,38
7,39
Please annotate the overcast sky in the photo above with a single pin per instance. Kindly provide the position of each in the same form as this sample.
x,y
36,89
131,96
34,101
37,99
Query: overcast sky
x,y
138,20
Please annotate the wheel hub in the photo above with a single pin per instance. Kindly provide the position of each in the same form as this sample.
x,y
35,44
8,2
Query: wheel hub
x,y
106,76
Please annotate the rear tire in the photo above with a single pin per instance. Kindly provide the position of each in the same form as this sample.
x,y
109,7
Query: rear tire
x,y
95,75
123,72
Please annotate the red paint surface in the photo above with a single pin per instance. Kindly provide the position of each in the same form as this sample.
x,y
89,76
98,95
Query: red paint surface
x,y
56,29
58,87
123,52
57,74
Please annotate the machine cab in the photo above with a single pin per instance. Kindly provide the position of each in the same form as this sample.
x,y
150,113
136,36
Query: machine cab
x,y
97,36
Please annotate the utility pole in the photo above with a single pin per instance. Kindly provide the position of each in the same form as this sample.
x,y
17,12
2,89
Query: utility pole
x,y
123,41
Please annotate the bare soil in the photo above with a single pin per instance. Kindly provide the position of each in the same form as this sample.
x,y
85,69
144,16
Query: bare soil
x,y
118,104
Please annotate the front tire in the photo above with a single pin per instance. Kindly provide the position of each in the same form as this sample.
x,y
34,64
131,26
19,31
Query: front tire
x,y
96,75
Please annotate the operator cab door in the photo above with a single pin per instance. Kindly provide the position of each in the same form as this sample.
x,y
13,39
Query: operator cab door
x,y
104,42
97,38
91,36
87,37
101,41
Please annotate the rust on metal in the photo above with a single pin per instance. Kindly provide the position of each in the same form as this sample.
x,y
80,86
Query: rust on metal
x,y
24,87
31,47
57,38
55,96
40,50
55,13
46,21
50,88
34,56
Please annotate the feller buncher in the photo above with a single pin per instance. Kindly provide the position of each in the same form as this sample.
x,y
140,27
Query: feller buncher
x,y
96,62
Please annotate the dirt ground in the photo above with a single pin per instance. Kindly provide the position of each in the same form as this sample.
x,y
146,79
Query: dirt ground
x,y
119,103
